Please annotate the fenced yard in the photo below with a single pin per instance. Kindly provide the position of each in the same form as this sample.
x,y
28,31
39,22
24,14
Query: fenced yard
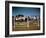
x,y
25,26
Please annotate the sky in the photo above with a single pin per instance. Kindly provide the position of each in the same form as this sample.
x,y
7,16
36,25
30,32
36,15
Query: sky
x,y
26,11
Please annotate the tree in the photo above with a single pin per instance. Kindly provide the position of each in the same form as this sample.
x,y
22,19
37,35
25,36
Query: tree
x,y
19,15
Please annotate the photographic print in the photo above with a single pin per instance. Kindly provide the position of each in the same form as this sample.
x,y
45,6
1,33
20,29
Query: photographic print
x,y
24,18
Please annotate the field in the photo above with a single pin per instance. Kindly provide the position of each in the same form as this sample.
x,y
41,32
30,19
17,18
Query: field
x,y
25,26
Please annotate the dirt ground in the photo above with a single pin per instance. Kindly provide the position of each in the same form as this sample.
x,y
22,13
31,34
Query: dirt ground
x,y
25,26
